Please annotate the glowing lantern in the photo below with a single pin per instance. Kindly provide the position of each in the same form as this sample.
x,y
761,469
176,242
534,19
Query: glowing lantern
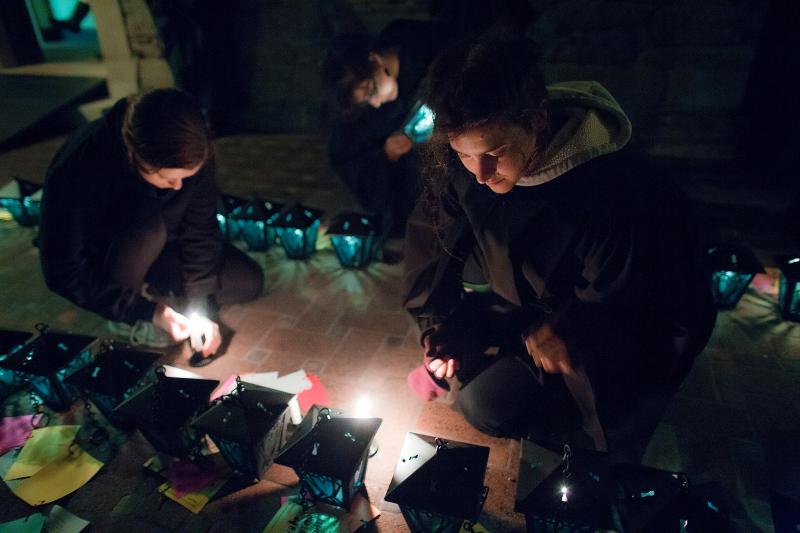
x,y
297,229
23,200
733,268
256,220
419,125
354,238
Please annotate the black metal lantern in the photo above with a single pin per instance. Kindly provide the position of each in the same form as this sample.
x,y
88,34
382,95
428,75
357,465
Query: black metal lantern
x,y
10,342
329,453
563,492
733,267
44,363
248,426
163,409
438,484
297,228
648,499
227,208
790,287
256,223
22,198
419,125
354,239
113,377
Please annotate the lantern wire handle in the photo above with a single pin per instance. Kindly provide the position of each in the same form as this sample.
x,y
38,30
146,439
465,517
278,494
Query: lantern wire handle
x,y
41,327
100,434
36,403
441,444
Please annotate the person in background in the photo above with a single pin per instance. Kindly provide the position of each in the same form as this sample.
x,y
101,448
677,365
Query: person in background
x,y
129,228
554,274
374,83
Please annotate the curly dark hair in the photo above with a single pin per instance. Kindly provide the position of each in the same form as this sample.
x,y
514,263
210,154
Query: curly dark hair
x,y
347,64
495,78
165,128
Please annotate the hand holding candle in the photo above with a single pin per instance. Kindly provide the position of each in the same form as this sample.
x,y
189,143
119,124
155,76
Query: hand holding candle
x,y
204,335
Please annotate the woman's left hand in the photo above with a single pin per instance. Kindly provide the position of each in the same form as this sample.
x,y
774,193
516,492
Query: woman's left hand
x,y
549,351
443,368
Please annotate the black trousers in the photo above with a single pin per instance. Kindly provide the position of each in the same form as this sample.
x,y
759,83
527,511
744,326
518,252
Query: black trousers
x,y
505,395
144,254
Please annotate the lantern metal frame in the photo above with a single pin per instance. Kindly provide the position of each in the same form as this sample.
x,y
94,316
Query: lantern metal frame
x,y
329,453
10,342
117,372
44,363
297,228
438,484
789,287
354,237
733,267
248,426
255,221
163,409
25,209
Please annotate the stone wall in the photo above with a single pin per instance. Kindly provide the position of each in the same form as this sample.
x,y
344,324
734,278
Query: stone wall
x,y
678,68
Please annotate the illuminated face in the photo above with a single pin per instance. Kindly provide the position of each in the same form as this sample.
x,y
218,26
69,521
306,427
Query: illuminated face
x,y
380,89
497,153
167,178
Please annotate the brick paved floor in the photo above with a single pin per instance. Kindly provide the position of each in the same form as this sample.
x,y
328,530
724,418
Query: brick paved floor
x,y
347,327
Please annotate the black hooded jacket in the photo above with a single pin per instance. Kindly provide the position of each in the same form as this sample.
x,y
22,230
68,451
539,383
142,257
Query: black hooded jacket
x,y
92,195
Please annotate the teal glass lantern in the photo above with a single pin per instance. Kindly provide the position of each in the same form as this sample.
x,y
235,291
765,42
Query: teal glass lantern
x,y
256,223
44,363
23,199
354,237
297,228
419,125
789,295
227,208
116,373
329,454
570,491
10,342
248,426
163,409
438,484
733,267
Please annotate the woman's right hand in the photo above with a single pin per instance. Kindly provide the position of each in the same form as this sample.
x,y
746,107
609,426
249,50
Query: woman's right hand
x,y
438,363
396,146
171,321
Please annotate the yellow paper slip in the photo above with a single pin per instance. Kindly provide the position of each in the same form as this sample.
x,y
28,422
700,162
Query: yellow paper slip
x,y
44,446
194,501
59,478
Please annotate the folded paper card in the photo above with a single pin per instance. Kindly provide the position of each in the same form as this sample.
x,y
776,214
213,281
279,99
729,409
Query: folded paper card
x,y
63,476
15,430
44,446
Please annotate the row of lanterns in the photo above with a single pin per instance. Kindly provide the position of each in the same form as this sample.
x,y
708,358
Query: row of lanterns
x,y
327,450
734,267
438,484
261,223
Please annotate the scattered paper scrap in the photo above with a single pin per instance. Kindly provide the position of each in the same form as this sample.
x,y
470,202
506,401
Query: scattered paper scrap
x,y
315,394
468,527
15,430
60,520
63,476
186,477
194,501
29,524
44,446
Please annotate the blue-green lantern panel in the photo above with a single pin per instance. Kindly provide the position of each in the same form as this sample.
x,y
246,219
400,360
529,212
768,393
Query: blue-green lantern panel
x,y
421,521
228,206
729,286
324,489
10,342
353,251
254,222
239,457
299,243
419,127
22,199
790,299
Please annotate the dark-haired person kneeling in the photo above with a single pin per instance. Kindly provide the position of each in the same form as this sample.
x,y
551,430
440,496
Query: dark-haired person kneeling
x,y
129,227
547,236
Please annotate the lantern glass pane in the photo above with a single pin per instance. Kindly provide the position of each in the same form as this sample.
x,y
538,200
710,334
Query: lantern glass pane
x,y
257,234
25,211
324,489
790,299
420,127
353,251
420,521
728,287
299,243
238,456
8,382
